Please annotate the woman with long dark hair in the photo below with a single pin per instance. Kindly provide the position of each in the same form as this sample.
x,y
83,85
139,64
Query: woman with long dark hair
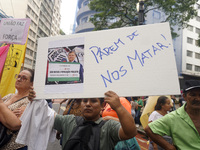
x,y
162,107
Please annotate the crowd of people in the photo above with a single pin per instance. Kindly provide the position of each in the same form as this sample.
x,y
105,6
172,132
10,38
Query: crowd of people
x,y
103,123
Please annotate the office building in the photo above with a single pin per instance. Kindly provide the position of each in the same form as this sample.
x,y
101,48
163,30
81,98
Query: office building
x,y
45,21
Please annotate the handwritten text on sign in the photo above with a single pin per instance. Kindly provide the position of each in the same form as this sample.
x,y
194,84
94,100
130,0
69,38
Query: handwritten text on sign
x,y
99,53
131,61
14,31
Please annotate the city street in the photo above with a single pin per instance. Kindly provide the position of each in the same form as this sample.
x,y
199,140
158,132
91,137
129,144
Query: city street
x,y
142,141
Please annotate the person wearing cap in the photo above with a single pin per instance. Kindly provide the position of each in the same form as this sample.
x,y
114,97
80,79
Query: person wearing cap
x,y
183,124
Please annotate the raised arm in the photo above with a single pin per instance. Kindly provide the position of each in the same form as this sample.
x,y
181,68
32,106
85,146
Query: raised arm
x,y
8,118
128,129
159,139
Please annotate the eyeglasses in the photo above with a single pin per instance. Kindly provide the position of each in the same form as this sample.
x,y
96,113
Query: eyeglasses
x,y
22,78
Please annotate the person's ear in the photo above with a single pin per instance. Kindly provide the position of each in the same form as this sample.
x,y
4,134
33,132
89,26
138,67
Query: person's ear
x,y
103,104
184,96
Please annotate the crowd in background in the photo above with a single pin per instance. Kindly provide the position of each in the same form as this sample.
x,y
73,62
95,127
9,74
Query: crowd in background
x,y
159,129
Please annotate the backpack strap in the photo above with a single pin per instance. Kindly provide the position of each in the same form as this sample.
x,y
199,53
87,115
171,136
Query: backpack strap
x,y
79,121
95,132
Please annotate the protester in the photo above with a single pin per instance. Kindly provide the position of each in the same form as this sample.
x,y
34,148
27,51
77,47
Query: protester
x,y
183,124
50,102
181,101
17,104
110,133
109,113
138,111
162,107
134,107
173,102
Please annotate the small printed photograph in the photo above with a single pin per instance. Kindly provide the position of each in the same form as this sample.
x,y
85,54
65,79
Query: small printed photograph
x,y
65,65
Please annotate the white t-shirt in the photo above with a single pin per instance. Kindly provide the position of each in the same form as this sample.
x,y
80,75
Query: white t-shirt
x,y
154,116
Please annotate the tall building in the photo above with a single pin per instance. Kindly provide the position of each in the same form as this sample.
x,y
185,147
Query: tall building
x,y
3,14
45,21
186,51
82,17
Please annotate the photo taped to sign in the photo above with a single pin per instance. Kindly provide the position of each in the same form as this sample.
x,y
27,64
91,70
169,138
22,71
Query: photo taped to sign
x,y
65,67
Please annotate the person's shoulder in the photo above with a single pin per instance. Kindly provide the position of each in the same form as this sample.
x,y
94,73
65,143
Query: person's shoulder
x,y
154,116
172,115
111,126
111,122
153,113
65,118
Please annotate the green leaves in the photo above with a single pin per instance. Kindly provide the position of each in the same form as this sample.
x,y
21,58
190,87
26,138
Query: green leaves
x,y
178,12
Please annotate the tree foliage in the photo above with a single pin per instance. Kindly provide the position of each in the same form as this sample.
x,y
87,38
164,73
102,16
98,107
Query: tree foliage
x,y
178,12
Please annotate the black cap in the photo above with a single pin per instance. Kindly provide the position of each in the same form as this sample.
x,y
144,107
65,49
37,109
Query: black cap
x,y
191,84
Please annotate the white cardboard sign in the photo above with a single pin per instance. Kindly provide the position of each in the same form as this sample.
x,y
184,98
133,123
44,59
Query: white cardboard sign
x,y
14,31
132,61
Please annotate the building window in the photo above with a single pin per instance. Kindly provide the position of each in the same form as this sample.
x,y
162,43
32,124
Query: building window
x,y
197,68
189,53
29,9
190,28
34,55
31,53
85,3
27,51
189,66
197,30
30,42
189,40
28,61
197,43
84,20
198,6
198,18
197,55
156,14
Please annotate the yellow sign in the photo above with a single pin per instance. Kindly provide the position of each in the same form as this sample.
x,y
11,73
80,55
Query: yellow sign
x,y
13,63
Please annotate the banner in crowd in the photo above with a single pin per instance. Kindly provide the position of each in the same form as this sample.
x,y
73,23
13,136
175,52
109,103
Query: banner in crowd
x,y
11,68
14,31
3,54
131,61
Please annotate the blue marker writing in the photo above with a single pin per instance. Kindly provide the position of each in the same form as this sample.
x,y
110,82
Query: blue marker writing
x,y
106,51
115,75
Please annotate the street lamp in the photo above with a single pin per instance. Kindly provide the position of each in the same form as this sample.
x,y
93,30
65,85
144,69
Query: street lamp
x,y
140,10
